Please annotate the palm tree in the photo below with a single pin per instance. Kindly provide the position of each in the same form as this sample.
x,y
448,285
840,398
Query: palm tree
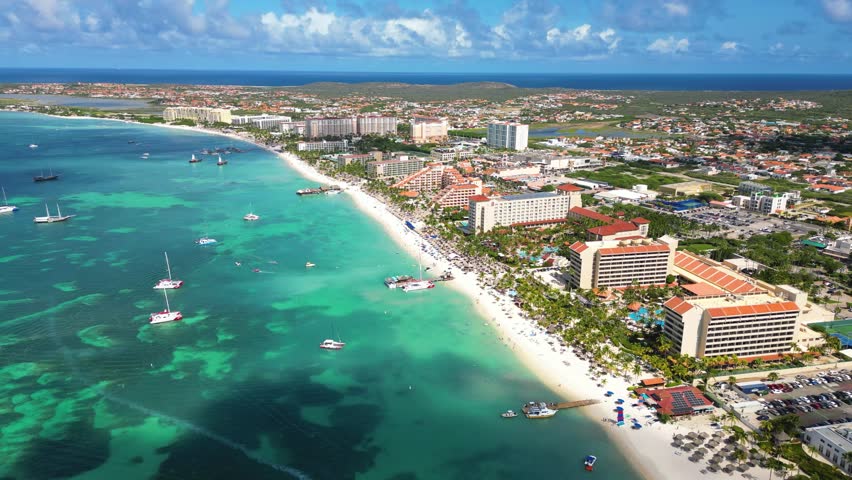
x,y
773,376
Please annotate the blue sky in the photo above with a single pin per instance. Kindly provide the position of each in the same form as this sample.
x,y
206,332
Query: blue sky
x,y
525,36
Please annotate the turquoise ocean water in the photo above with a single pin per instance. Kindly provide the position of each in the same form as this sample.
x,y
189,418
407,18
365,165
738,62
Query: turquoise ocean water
x,y
239,389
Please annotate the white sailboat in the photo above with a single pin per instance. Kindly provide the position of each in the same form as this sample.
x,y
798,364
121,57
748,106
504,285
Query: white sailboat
x,y
420,284
6,208
168,283
52,218
331,344
251,216
166,315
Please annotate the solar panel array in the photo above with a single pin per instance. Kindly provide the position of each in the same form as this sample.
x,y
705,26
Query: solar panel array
x,y
683,402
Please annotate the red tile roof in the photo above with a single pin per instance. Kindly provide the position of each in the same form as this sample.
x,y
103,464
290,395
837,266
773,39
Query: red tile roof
x,y
607,230
567,187
651,382
591,214
678,305
479,198
578,247
679,400
760,309
713,275
703,289
640,221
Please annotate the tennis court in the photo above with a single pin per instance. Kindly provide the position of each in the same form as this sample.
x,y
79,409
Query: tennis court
x,y
841,329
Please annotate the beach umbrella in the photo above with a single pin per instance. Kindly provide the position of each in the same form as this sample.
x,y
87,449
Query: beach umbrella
x,y
704,435
742,467
693,459
712,444
730,467
679,436
714,460
703,450
691,434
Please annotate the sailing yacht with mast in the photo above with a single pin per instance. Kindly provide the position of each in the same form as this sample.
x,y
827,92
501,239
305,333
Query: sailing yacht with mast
x,y
6,208
420,284
251,216
221,161
166,315
46,178
168,283
52,218
331,344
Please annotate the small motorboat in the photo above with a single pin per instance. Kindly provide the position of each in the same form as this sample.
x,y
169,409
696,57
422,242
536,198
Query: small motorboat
x,y
238,264
194,159
589,462
309,265
251,217
509,414
255,270
205,241
33,145
329,344
221,162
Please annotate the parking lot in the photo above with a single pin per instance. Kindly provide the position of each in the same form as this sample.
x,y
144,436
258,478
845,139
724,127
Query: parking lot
x,y
746,223
817,400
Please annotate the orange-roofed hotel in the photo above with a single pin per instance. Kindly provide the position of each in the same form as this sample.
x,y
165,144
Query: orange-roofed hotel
x,y
621,263
725,313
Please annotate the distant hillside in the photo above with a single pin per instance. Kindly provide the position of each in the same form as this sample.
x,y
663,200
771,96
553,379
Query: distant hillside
x,y
483,90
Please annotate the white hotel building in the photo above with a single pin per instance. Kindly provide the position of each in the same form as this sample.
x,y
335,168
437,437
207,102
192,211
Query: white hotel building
x,y
528,209
725,313
621,263
508,135
198,114
832,442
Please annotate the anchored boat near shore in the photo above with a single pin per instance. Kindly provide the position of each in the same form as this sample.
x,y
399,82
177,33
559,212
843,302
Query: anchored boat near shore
x,y
6,208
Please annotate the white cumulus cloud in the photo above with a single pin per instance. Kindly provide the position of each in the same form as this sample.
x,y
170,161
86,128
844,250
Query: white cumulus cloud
x,y
669,45
729,47
839,11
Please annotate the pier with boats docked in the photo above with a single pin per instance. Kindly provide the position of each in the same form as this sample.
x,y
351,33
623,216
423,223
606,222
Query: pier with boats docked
x,y
535,410
332,190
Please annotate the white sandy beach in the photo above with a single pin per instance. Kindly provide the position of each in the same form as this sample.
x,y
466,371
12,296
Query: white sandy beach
x,y
648,449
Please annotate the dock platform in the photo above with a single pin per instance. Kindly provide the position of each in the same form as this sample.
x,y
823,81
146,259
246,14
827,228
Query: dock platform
x,y
563,405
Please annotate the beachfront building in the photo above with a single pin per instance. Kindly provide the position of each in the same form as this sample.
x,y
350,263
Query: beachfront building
x,y
676,401
833,442
726,313
428,130
528,209
376,125
264,122
197,114
330,127
433,176
621,263
396,168
507,135
457,195
323,146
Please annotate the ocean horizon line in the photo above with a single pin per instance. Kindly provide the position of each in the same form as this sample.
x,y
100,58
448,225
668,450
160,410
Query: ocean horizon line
x,y
584,81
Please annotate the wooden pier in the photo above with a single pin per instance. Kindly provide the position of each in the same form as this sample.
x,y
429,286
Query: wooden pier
x,y
563,405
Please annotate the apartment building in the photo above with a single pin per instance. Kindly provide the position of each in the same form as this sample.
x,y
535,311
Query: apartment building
x,y
330,127
833,442
348,126
376,125
428,130
457,195
396,168
528,209
451,154
726,313
265,121
508,135
198,114
433,176
621,263
762,202
747,188
323,146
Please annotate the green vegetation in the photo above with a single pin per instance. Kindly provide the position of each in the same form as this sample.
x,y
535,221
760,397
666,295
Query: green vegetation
x,y
661,223
185,122
813,468
369,143
468,133
626,176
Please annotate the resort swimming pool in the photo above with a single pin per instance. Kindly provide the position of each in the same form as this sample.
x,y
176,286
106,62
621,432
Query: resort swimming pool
x,y
644,316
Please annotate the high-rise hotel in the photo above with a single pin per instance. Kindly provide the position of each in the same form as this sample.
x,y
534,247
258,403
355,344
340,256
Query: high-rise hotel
x,y
508,135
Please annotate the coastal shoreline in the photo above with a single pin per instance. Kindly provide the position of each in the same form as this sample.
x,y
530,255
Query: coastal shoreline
x,y
563,372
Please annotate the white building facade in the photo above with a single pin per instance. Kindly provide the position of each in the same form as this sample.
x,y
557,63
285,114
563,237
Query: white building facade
x,y
508,135
525,209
